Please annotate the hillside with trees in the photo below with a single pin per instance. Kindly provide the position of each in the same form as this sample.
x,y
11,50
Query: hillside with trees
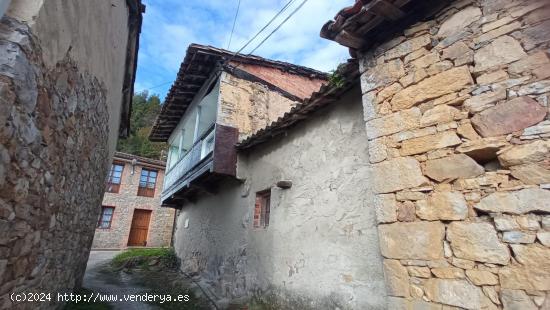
x,y
145,109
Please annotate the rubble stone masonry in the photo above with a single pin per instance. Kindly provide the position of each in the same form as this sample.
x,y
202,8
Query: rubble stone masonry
x,y
125,202
249,106
457,117
60,102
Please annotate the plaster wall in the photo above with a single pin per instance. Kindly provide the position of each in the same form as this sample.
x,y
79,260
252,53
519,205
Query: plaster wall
x,y
321,248
4,6
98,48
61,76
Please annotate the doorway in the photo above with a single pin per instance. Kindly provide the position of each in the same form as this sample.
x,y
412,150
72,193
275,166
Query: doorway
x,y
139,228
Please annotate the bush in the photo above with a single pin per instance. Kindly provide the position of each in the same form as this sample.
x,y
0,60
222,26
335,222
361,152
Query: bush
x,y
165,257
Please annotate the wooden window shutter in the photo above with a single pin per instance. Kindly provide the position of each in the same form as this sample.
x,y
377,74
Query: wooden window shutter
x,y
257,211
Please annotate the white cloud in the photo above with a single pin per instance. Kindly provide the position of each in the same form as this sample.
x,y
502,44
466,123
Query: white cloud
x,y
171,25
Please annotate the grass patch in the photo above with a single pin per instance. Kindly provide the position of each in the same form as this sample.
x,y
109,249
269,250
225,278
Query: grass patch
x,y
157,271
165,257
85,305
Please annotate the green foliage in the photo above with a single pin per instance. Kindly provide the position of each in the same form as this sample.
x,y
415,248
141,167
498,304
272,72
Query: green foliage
x,y
145,109
142,257
157,270
335,79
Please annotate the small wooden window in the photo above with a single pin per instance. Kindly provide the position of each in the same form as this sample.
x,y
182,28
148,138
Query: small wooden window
x,y
262,209
113,180
147,183
106,217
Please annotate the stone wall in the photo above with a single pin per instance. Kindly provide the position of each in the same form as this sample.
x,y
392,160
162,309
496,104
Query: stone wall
x,y
125,202
456,112
58,112
249,106
320,250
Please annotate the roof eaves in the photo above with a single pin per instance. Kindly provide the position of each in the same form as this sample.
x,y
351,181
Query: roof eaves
x,y
369,22
139,159
198,65
135,19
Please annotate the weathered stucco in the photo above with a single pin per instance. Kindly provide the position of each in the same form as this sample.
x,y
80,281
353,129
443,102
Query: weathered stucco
x,y
125,202
320,250
249,106
4,6
59,110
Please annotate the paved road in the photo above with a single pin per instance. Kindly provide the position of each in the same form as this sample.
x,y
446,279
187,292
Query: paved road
x,y
102,283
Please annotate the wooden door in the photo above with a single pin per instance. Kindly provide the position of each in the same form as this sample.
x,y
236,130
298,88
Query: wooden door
x,y
139,228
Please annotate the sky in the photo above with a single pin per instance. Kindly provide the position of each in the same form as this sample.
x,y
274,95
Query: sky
x,y
169,26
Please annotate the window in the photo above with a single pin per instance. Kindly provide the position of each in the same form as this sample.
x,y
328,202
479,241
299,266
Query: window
x,y
262,209
147,182
106,217
208,144
113,180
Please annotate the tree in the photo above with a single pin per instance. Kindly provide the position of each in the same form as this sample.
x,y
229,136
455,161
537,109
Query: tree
x,y
145,109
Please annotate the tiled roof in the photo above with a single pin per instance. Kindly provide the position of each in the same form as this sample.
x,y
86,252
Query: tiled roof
x,y
140,160
370,21
347,76
198,64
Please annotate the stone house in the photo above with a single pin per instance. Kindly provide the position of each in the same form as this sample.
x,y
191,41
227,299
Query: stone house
x,y
419,180
130,212
66,81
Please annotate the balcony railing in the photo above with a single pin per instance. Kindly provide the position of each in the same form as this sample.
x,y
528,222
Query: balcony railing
x,y
199,153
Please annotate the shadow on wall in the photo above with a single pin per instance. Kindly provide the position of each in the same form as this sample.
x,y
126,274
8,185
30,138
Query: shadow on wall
x,y
320,249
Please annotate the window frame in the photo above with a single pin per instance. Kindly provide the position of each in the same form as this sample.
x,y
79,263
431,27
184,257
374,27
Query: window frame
x,y
110,186
146,191
100,220
262,209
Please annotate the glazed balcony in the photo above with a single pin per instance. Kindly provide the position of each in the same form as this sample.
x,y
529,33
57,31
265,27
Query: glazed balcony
x,y
211,157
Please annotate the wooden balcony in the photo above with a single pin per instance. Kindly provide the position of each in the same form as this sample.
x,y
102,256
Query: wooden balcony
x,y
211,158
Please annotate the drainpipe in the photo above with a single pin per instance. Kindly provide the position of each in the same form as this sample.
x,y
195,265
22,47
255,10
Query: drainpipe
x,y
4,4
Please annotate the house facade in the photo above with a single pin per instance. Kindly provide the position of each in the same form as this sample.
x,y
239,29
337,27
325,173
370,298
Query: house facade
x,y
455,101
66,81
131,215
418,181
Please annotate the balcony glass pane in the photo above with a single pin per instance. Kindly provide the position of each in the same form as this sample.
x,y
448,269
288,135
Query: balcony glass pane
x,y
173,156
208,107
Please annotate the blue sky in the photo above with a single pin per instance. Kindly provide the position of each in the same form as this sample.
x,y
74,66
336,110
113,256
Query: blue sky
x,y
169,26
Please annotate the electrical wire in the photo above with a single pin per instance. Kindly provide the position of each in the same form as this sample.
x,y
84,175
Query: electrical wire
x,y
266,25
157,86
234,23
282,10
278,27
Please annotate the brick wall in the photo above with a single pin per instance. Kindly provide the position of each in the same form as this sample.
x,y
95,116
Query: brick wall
x,y
125,202
300,86
456,111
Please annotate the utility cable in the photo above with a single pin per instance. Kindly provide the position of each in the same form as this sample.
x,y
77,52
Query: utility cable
x,y
280,25
234,23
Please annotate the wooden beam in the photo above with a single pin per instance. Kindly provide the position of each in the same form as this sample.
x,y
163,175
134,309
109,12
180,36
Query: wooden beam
x,y
385,9
348,39
196,76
